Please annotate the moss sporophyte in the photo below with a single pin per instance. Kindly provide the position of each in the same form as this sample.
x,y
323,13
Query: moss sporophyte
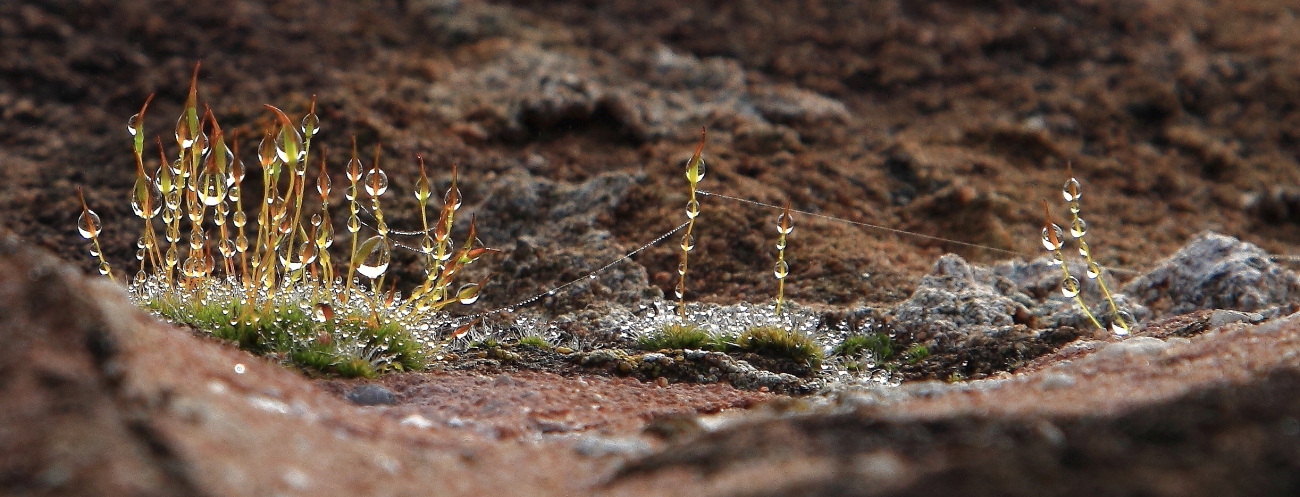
x,y
279,291
273,287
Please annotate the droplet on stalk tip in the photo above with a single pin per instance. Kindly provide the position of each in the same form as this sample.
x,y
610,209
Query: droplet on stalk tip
x,y
89,225
375,256
376,182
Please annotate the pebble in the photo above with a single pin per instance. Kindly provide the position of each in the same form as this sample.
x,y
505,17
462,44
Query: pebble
x,y
370,394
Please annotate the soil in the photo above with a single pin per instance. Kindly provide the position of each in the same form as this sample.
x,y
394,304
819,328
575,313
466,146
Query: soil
x,y
936,127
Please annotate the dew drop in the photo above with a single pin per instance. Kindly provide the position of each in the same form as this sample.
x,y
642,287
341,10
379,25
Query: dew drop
x,y
323,312
784,223
376,260
1078,228
103,268
133,124
681,268
692,209
1071,190
1093,270
680,290
354,224
468,293
696,173
88,224
1056,260
239,219
376,182
1121,325
1070,287
688,243
781,270
1050,242
289,147
452,197
310,125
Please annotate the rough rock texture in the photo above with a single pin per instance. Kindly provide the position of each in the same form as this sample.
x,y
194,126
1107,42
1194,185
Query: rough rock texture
x,y
1212,415
570,120
100,399
950,305
1216,272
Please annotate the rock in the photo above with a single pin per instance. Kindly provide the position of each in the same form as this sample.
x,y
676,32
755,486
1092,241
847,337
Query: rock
x,y
371,394
1214,271
1134,346
952,304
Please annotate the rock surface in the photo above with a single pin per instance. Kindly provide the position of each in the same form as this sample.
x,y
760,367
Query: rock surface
x,y
569,121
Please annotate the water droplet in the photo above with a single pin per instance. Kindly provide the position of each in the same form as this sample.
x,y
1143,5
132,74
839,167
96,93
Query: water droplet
x,y
784,223
688,243
239,219
133,124
310,124
211,189
376,182
452,197
781,270
184,134
1093,270
468,293
780,243
1078,228
354,224
239,369
1051,242
103,268
692,209
1071,190
696,173
1070,287
1122,323
88,224
289,147
323,312
376,258
681,268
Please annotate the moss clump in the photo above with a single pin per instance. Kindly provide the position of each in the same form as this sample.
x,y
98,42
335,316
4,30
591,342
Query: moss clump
x,y
774,341
916,353
535,341
878,345
676,336
348,345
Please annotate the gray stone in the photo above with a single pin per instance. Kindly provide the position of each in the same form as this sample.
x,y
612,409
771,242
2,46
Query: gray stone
x,y
1214,271
370,394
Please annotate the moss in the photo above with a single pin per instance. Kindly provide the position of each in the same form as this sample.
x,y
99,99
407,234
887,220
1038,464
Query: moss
x,y
675,336
878,345
774,341
352,346
916,353
535,341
